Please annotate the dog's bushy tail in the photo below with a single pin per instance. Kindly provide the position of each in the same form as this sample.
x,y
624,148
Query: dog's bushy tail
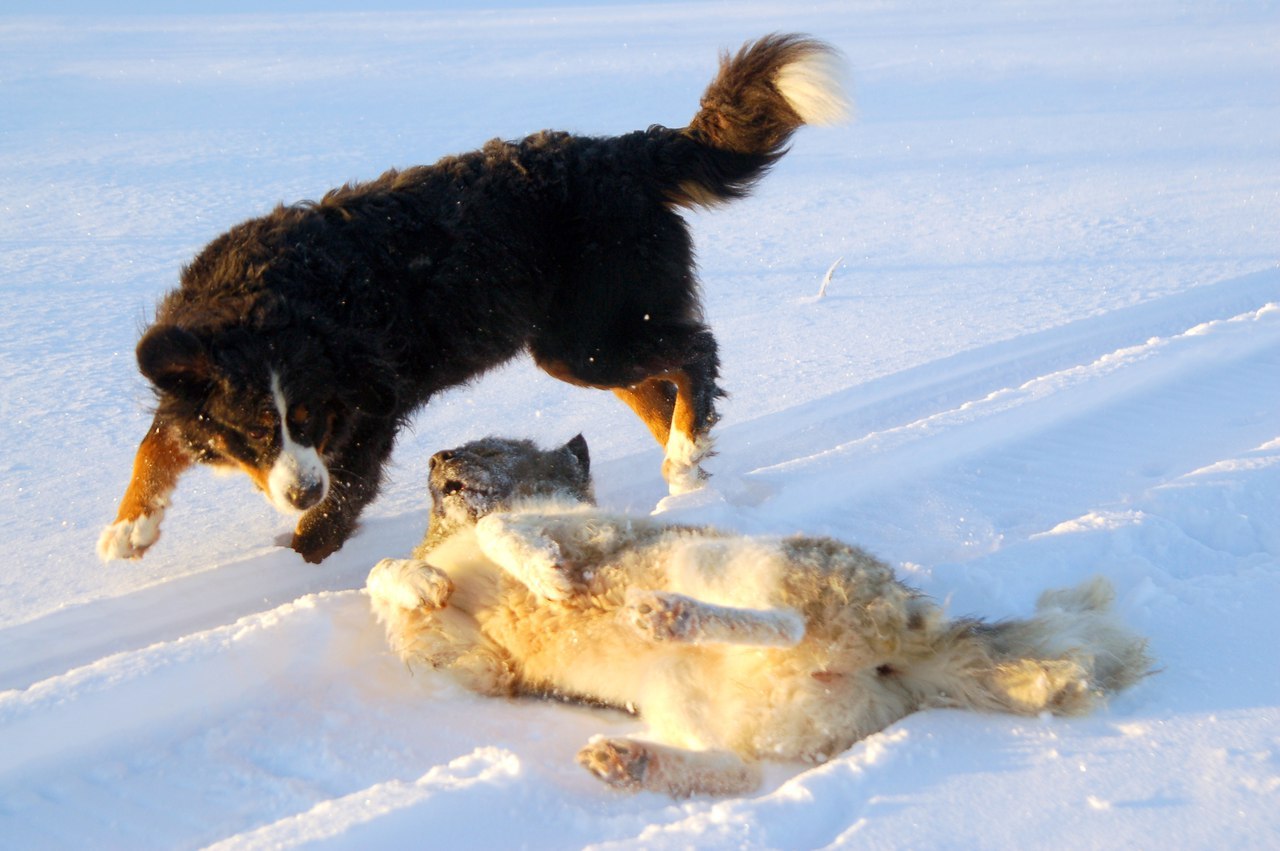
x,y
762,95
1063,659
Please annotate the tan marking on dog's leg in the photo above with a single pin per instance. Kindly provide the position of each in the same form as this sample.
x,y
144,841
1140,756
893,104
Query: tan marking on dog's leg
x,y
160,460
633,766
653,401
686,446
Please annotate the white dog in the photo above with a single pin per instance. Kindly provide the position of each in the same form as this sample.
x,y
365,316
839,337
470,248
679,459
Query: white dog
x,y
733,649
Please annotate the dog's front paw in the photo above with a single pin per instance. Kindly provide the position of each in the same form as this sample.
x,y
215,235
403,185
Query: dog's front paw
x,y
320,535
409,583
620,763
528,555
130,539
550,580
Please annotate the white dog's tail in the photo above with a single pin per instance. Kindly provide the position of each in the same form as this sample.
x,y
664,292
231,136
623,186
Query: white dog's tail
x,y
1063,659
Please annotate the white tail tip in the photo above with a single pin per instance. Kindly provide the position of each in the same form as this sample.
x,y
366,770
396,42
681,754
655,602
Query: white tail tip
x,y
815,87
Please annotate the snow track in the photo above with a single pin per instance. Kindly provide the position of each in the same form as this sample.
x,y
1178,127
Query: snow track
x,y
1023,434
303,728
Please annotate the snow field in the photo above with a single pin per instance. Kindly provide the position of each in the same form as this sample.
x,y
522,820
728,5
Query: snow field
x,y
1050,350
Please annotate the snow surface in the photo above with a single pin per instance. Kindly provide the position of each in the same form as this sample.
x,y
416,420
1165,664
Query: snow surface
x,y
1050,348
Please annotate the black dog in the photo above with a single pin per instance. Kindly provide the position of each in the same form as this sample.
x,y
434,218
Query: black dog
x,y
299,342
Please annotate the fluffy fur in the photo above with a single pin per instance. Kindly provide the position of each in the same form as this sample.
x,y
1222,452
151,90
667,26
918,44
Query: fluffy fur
x,y
299,342
733,649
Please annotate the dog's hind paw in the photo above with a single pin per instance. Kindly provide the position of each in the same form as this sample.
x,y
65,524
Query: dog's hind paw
x,y
660,616
619,763
682,465
130,539
664,616
409,583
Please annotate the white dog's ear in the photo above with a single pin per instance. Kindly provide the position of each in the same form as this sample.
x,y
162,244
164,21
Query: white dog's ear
x,y
577,447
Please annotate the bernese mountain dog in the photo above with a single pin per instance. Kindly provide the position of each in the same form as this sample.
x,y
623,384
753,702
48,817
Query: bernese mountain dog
x,y
298,343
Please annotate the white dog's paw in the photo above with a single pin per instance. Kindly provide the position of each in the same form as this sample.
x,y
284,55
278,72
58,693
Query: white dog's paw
x,y
130,539
550,580
661,616
620,763
526,554
682,465
409,583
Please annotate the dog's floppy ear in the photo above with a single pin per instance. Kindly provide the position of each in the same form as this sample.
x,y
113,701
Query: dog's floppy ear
x,y
175,361
577,447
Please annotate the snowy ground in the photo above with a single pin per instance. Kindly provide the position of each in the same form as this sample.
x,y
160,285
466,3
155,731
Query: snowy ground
x,y
1051,348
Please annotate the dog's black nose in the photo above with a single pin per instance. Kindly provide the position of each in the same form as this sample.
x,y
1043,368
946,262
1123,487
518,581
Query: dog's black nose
x,y
303,497
440,457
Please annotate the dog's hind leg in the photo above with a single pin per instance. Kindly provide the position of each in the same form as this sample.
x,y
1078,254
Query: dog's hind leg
x,y
633,766
668,378
160,460
693,414
663,616
654,402
678,409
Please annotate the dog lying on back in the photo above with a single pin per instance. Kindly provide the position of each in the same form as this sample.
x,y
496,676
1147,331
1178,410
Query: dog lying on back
x,y
298,343
732,649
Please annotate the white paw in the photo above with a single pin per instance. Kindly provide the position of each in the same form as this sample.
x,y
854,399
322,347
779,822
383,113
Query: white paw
x,y
660,616
550,582
681,467
408,583
129,539
526,554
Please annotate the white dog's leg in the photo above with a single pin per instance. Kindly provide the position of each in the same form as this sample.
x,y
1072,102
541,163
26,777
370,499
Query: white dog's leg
x,y
407,583
408,597
130,539
682,465
527,553
663,616
633,766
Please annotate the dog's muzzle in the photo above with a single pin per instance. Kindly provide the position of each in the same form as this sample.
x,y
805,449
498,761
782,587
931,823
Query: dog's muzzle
x,y
299,480
304,495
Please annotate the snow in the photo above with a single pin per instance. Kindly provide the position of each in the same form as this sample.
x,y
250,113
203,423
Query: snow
x,y
1051,350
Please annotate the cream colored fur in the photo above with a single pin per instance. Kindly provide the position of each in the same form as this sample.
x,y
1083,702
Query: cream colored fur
x,y
732,649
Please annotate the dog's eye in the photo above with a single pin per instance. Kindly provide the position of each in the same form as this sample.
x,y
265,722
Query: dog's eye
x,y
264,428
299,414
257,432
